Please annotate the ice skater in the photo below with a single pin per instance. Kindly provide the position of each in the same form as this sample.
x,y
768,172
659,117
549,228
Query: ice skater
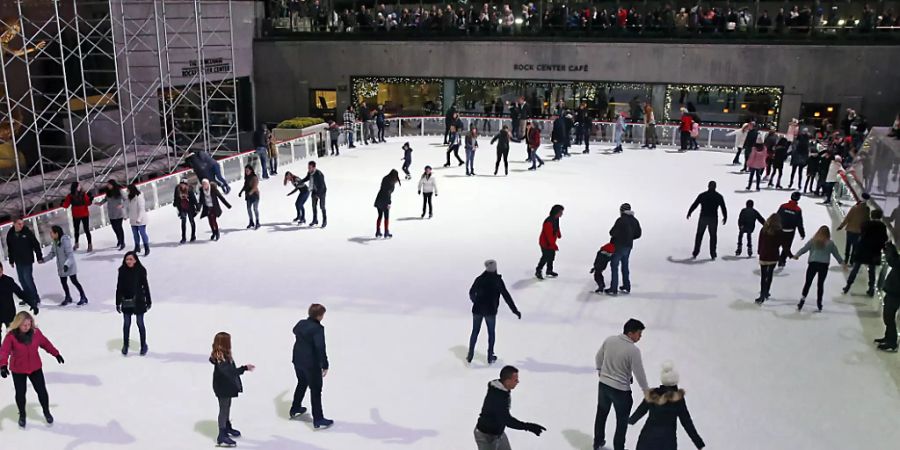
x,y
185,202
427,189
799,154
604,255
502,139
23,249
623,233
19,355
619,132
66,267
380,123
891,288
310,365
317,191
116,209
665,405
251,188
533,145
746,225
756,164
226,385
407,159
709,202
770,240
618,363
791,222
453,146
383,202
137,217
80,201
868,251
210,203
485,295
495,418
334,135
821,248
8,288
471,146
299,186
261,143
133,298
835,168
853,223
547,241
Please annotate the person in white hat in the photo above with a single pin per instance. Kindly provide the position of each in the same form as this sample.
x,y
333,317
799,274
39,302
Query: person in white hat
x,y
666,405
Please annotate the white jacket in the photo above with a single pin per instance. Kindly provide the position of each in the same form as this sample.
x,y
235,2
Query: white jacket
x,y
428,185
137,213
833,169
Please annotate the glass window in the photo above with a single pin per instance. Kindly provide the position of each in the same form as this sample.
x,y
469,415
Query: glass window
x,y
724,104
400,96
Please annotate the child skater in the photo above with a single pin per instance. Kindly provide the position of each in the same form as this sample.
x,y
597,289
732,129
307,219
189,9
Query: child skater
x,y
600,263
427,188
226,385
821,248
407,159
746,225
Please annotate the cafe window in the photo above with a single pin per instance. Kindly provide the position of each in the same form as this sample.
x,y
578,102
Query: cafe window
x,y
323,103
729,105
401,95
815,113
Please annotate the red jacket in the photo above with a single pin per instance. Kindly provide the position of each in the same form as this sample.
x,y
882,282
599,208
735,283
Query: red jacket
x,y
78,211
534,138
22,358
687,122
548,237
769,247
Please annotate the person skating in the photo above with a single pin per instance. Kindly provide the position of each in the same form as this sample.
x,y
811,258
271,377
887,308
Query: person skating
x,y
453,146
380,123
116,209
740,134
383,202
133,298
226,385
19,356
533,144
821,248
502,139
251,188
604,255
273,152
185,202
349,120
799,159
558,137
812,171
310,365
23,249
471,142
868,250
835,168
685,127
407,159
365,118
261,143
66,266
666,406
746,226
778,160
891,290
137,217
583,118
756,164
317,191
334,135
427,188
8,288
80,201
791,222
618,363
750,141
549,234
709,202
449,121
299,186
495,418
619,132
210,203
623,233
770,240
485,295
215,170
853,223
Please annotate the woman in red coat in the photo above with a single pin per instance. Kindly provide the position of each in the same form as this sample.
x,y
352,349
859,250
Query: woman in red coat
x,y
549,234
687,123
769,245
79,201
19,355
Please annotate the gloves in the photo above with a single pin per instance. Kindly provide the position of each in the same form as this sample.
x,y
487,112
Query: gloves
x,y
420,192
65,268
4,372
592,270
534,428
119,309
60,359
518,314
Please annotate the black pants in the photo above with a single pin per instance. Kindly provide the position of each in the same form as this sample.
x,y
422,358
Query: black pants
x,y
854,271
386,213
186,217
598,278
685,140
829,190
766,273
87,228
779,169
889,315
502,155
65,285
309,378
787,239
120,232
406,164
447,131
335,149
318,201
547,257
810,184
381,132
737,157
757,173
813,270
455,150
426,202
608,398
749,234
704,224
515,130
799,171
20,381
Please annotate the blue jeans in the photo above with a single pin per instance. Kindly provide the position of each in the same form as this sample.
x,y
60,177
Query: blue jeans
x,y
349,134
620,256
24,271
301,200
126,328
535,159
253,208
470,160
557,150
140,232
476,328
263,154
217,174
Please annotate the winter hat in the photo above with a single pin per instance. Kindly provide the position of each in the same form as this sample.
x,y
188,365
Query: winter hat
x,y
405,145
669,376
866,196
625,207
795,196
427,167
490,265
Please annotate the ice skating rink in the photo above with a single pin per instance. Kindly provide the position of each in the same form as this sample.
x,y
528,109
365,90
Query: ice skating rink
x,y
399,317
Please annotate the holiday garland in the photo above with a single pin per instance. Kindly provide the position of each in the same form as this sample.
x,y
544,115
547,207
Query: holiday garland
x,y
774,93
367,87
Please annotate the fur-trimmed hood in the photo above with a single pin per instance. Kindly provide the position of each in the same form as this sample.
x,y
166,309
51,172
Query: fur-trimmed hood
x,y
664,394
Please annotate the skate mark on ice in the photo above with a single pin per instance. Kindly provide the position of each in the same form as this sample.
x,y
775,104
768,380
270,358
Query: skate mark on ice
x,y
415,218
278,443
383,431
736,258
689,261
578,439
669,295
91,435
531,365
524,283
362,239
72,378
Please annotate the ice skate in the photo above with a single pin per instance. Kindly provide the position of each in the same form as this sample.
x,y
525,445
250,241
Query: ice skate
x,y
322,423
125,349
223,440
388,235
83,301
800,305
296,413
611,292
144,349
885,347
551,273
21,420
538,275
378,233
491,359
48,417
624,290
879,341
231,431
66,301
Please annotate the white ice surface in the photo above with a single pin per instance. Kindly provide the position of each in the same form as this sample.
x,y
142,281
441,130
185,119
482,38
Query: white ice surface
x,y
399,318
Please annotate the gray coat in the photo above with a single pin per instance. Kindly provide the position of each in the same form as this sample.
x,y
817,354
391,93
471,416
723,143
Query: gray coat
x,y
116,208
821,254
65,256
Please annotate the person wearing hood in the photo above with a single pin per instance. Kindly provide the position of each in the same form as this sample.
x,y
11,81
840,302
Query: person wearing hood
x,y
80,201
495,418
485,295
116,209
709,202
66,267
23,249
778,160
383,202
834,170
558,137
791,222
623,233
226,385
310,365
618,364
853,223
407,159
872,239
427,189
251,188
133,298
19,356
502,139
799,158
185,202
210,203
665,406
547,241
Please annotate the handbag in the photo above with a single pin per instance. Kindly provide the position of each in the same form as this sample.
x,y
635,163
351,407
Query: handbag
x,y
129,303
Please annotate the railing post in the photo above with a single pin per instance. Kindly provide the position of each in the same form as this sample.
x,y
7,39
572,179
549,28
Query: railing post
x,y
422,126
399,127
709,137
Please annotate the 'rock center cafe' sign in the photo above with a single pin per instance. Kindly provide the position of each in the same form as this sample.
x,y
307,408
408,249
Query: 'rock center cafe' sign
x,y
210,65
550,67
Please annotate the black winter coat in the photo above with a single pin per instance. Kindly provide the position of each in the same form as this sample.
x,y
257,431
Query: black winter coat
x,y
133,284
872,238
192,206
709,203
748,218
485,294
217,198
666,406
625,231
309,345
316,181
495,416
8,287
892,282
502,140
22,246
800,152
227,378
383,199
559,130
751,138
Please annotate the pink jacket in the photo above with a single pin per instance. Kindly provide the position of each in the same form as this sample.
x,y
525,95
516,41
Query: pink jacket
x,y
22,358
757,158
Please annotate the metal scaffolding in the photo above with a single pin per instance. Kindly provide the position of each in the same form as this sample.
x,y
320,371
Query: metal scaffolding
x,y
99,89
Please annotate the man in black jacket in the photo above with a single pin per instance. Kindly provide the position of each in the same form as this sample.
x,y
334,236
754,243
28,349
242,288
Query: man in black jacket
x,y
891,289
485,295
623,234
449,120
490,432
709,203
310,364
791,222
365,117
23,248
558,137
584,120
868,250
317,189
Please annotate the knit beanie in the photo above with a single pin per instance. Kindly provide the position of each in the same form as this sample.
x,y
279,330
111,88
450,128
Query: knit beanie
x,y
669,376
625,207
490,265
795,196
